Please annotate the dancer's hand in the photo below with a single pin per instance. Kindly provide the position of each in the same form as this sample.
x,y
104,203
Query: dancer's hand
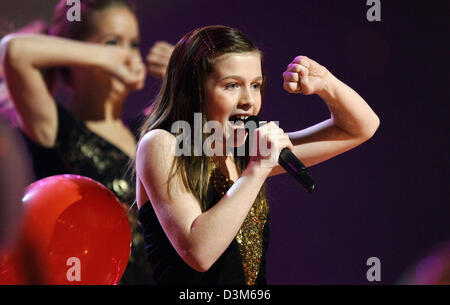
x,y
126,66
158,58
305,76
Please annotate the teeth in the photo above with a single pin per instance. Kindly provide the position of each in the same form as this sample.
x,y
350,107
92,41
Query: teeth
x,y
235,118
242,118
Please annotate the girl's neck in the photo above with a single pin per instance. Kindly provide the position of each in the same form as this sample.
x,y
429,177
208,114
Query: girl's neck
x,y
95,107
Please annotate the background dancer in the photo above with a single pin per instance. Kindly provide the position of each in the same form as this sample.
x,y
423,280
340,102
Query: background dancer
x,y
99,59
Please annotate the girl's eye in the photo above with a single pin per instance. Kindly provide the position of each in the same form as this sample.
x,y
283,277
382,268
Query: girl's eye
x,y
111,42
231,86
135,45
256,86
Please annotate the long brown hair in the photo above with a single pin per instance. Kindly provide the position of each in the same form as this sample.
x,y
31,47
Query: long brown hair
x,y
183,93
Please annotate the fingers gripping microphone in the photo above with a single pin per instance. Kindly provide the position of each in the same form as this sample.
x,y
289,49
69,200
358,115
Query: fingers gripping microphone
x,y
290,162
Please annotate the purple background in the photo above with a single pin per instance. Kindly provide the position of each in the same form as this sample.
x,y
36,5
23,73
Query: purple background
x,y
388,197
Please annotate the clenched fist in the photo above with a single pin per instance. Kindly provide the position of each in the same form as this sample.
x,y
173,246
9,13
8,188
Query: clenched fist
x,y
305,76
158,58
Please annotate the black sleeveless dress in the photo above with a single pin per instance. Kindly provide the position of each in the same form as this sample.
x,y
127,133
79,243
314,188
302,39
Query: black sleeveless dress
x,y
80,151
242,263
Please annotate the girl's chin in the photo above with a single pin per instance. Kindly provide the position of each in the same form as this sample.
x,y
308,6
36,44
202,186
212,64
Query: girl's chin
x,y
235,134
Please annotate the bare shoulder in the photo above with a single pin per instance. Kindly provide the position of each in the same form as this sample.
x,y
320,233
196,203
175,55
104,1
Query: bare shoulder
x,y
155,158
158,142
155,154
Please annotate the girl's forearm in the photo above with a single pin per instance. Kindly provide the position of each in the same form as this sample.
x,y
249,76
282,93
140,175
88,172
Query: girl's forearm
x,y
348,109
213,230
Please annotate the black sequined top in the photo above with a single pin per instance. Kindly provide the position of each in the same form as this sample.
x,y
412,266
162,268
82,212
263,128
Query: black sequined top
x,y
242,263
80,151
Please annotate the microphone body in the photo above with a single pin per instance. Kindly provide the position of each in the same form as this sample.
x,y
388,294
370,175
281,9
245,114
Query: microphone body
x,y
290,162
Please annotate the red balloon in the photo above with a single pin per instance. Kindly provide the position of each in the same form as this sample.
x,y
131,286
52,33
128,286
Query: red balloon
x,y
74,231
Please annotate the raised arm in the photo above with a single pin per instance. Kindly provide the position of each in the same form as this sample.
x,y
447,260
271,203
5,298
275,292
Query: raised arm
x,y
198,237
352,121
24,57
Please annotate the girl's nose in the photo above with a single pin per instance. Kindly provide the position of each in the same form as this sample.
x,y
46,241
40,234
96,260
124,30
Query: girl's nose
x,y
246,100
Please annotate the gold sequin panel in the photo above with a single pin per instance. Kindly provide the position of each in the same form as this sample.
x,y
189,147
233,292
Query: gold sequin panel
x,y
250,235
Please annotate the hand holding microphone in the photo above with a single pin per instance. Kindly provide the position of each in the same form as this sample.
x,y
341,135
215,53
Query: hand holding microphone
x,y
286,158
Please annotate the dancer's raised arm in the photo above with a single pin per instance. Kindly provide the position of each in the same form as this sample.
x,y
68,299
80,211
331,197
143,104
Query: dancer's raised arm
x,y
25,56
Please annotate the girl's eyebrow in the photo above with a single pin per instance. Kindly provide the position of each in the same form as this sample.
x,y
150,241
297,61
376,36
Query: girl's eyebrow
x,y
239,77
119,35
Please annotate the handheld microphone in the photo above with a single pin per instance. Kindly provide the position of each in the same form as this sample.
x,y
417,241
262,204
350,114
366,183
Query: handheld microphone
x,y
290,162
